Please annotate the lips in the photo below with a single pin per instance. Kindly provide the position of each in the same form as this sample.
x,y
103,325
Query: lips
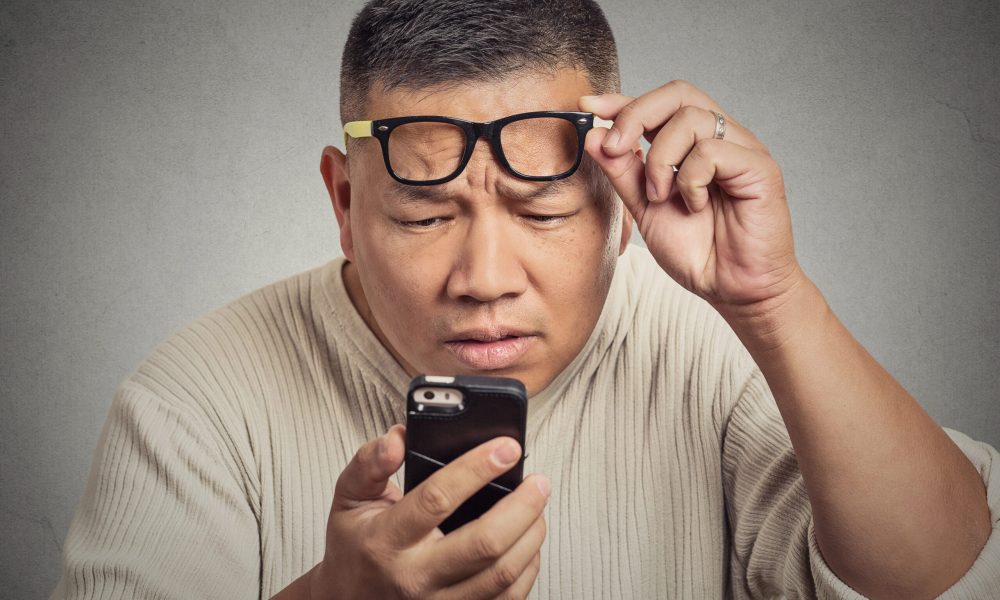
x,y
490,349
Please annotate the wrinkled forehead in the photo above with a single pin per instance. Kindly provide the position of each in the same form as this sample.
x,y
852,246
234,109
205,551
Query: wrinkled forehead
x,y
519,92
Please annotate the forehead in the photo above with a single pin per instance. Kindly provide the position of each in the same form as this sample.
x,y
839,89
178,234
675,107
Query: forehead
x,y
484,101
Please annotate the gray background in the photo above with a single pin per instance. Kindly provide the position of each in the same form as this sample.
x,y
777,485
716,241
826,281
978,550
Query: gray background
x,y
161,158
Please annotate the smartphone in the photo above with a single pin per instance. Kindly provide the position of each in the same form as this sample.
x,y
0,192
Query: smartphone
x,y
448,416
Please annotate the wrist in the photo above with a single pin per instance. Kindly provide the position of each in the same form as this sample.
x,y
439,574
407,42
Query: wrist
x,y
777,324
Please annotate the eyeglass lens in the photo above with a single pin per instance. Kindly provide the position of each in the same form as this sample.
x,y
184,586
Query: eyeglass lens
x,y
423,151
536,147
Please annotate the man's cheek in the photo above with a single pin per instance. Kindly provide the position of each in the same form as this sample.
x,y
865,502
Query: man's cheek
x,y
406,286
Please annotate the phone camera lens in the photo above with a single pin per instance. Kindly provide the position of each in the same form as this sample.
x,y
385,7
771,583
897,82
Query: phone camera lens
x,y
429,395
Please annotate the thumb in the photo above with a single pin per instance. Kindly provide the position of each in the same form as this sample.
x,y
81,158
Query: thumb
x,y
627,173
366,477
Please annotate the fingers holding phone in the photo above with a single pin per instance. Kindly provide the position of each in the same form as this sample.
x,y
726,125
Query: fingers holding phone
x,y
383,544
449,416
498,551
494,552
433,501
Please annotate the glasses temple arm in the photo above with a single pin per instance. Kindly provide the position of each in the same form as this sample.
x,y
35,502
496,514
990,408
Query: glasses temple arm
x,y
356,129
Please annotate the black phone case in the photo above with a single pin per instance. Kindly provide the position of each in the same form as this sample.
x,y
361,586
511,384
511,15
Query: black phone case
x,y
494,406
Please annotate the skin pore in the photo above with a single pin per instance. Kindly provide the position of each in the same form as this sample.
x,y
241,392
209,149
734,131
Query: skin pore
x,y
486,274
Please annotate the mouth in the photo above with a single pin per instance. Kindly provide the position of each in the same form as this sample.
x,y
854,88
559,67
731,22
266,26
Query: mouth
x,y
490,349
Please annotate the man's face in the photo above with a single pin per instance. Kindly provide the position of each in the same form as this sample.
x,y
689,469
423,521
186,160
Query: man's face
x,y
487,274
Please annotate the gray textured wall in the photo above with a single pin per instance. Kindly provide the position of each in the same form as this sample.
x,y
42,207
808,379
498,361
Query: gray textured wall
x,y
160,158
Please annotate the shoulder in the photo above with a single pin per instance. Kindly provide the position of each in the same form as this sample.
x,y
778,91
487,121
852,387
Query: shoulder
x,y
235,349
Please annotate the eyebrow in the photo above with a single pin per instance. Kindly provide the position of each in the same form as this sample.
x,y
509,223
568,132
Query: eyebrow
x,y
433,194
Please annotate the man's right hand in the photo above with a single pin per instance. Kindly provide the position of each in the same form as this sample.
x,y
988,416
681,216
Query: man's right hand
x,y
382,544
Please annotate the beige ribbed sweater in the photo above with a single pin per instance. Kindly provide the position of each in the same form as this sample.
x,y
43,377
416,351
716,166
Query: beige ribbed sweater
x,y
672,474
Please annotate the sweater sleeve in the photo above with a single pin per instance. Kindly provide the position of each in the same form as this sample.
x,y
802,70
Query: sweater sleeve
x,y
773,544
163,514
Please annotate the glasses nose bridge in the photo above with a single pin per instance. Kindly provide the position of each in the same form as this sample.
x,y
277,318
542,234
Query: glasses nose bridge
x,y
488,131
485,129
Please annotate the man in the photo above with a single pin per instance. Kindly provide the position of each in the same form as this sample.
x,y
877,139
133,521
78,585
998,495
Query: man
x,y
661,425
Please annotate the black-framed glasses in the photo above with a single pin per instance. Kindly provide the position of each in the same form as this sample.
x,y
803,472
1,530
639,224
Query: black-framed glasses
x,y
429,150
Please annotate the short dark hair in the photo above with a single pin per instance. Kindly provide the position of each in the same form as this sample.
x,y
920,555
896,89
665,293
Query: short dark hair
x,y
414,44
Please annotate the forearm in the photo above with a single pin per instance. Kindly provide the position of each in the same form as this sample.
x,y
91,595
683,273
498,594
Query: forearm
x,y
898,509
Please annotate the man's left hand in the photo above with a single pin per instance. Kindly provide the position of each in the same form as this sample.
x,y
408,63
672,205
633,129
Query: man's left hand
x,y
720,225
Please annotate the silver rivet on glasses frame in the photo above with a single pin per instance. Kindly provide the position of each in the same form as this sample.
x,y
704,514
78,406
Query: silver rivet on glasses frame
x,y
582,120
383,128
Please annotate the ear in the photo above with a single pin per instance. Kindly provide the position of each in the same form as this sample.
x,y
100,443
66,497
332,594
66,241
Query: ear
x,y
333,167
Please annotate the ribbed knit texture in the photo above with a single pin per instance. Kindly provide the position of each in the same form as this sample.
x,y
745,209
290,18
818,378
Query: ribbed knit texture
x,y
672,473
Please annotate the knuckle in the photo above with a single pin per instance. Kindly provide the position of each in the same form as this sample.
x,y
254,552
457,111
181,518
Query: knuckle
x,y
520,589
688,113
504,575
487,548
365,455
357,460
434,499
627,112
681,85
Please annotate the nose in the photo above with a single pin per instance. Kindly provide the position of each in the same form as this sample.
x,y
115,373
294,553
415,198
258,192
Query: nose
x,y
488,267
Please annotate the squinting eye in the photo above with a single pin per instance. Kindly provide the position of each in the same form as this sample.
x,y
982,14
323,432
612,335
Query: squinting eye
x,y
547,219
423,223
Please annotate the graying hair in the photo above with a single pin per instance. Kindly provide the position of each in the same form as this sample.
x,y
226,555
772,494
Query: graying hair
x,y
422,44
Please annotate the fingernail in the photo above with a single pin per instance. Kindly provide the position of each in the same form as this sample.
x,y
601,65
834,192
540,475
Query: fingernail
x,y
505,453
613,138
651,192
543,486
